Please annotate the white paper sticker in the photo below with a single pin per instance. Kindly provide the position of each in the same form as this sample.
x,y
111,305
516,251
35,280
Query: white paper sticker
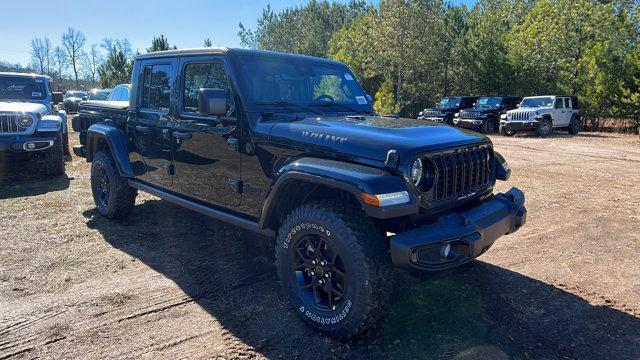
x,y
38,80
361,100
348,77
36,94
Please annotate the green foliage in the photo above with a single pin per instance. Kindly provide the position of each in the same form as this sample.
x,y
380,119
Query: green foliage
x,y
385,100
160,44
116,69
412,52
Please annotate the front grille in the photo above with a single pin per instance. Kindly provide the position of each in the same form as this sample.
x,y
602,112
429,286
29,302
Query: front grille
x,y
432,113
520,115
8,123
469,114
460,172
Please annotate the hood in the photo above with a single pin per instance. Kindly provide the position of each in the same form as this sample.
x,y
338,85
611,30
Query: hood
x,y
27,107
372,137
73,99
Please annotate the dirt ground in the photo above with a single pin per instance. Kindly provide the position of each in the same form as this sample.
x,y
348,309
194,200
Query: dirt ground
x,y
170,283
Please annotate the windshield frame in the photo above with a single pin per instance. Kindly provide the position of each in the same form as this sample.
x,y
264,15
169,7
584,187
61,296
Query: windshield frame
x,y
240,59
538,98
458,102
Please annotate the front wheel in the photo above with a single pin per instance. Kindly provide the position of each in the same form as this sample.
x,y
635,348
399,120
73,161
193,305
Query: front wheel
x,y
488,127
505,132
112,194
332,263
545,128
54,157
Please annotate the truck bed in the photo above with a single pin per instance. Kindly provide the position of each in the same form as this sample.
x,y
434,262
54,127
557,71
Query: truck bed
x,y
95,111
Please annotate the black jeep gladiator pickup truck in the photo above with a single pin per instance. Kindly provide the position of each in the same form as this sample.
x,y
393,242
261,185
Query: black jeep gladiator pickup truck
x,y
289,146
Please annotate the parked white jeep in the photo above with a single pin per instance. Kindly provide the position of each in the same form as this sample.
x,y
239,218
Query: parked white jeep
x,y
543,114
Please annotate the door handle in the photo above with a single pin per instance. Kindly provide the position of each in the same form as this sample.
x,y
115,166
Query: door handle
x,y
142,128
182,135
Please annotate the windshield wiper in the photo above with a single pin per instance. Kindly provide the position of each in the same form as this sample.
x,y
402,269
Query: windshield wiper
x,y
290,104
344,106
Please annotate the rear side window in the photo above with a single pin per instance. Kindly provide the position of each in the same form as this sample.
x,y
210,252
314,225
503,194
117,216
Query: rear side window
x,y
156,87
203,76
567,105
558,104
115,95
124,95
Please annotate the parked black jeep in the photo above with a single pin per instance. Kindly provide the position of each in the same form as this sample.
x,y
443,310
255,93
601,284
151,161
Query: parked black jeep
x,y
485,116
446,108
289,146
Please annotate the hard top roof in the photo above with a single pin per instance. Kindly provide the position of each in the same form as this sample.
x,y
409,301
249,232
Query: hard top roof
x,y
223,51
24,75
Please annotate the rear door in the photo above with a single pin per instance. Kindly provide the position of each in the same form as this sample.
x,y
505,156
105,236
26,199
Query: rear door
x,y
206,155
152,120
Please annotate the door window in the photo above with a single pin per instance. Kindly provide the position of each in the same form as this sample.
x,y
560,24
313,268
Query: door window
x,y
567,103
156,87
204,76
115,94
558,104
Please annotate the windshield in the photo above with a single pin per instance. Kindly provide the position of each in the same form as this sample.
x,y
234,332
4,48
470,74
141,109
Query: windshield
x,y
449,102
489,102
99,95
303,83
75,94
22,88
537,102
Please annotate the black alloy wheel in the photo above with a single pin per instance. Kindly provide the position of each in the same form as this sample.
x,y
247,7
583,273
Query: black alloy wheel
x,y
320,272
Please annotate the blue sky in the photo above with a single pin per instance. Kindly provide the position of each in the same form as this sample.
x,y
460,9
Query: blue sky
x,y
185,23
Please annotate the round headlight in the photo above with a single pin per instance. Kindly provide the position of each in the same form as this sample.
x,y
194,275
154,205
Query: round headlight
x,y
25,121
416,171
456,115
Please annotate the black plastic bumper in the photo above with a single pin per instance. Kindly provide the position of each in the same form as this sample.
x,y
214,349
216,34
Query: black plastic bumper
x,y
520,126
459,237
25,144
469,123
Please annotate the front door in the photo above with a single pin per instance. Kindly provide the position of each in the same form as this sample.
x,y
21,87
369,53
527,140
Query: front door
x,y
152,135
206,156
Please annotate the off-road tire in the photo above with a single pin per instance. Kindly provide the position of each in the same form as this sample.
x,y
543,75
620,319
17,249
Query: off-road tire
x,y
505,132
54,157
121,197
488,126
545,128
364,254
574,127
65,145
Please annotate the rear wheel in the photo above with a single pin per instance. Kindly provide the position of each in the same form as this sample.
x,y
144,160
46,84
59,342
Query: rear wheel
x,y
113,196
54,157
545,128
333,264
574,126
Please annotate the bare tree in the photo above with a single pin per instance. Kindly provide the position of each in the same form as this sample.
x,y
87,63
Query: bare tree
x,y
60,63
38,53
90,63
73,41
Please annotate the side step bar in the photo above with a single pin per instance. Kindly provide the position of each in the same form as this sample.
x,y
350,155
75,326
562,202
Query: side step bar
x,y
214,213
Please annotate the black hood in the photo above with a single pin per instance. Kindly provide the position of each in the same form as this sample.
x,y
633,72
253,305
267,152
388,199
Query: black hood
x,y
372,137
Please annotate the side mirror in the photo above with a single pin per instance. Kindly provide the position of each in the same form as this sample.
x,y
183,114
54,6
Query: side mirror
x,y
212,101
369,97
57,97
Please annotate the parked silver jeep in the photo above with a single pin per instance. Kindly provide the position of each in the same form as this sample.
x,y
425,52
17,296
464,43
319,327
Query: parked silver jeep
x,y
31,126
543,114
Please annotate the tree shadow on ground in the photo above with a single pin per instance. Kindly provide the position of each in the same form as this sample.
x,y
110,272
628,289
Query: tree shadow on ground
x,y
19,178
477,311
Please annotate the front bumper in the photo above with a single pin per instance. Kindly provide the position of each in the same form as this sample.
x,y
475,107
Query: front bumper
x,y
459,237
25,144
519,125
468,123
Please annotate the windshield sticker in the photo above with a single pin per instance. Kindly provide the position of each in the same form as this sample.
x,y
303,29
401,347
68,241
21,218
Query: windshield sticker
x,y
348,77
36,94
39,80
361,100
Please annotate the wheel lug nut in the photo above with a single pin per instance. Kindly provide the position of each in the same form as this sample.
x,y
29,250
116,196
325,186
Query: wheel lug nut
x,y
313,262
323,263
320,281
326,275
313,273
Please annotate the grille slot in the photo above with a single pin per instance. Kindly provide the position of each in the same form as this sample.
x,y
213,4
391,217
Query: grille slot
x,y
521,116
8,123
460,172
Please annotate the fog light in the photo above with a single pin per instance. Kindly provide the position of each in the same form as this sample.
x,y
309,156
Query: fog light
x,y
31,146
445,250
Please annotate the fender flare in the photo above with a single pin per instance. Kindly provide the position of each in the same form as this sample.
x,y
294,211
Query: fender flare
x,y
115,140
352,178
